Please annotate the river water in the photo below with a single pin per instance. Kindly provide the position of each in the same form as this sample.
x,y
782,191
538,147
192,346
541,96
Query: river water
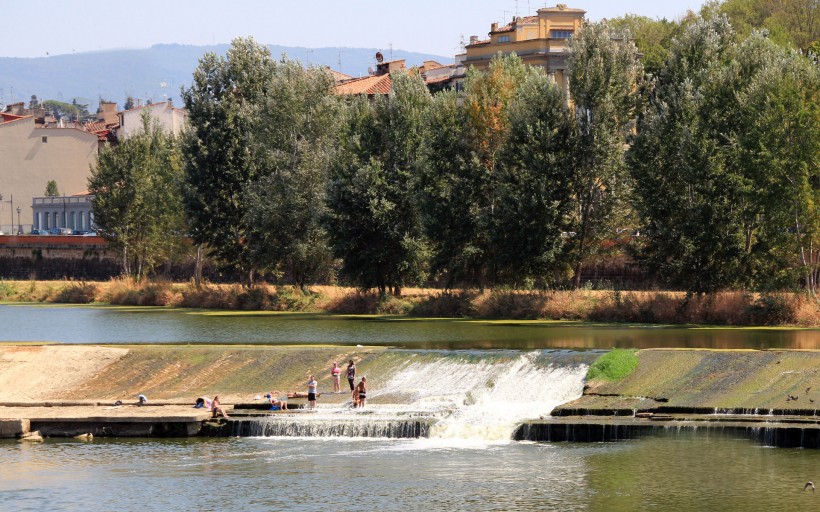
x,y
475,381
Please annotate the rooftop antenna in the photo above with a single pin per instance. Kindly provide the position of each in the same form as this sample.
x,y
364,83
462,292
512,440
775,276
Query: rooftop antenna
x,y
391,51
516,8
339,62
504,14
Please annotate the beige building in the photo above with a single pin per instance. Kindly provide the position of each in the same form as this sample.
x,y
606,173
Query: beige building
x,y
32,155
170,118
541,40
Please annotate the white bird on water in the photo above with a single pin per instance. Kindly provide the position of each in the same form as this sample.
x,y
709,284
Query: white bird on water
x,y
809,484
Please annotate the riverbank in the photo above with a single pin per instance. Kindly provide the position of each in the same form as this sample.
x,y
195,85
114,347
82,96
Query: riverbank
x,y
658,307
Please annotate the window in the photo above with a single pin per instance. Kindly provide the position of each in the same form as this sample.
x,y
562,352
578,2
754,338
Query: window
x,y
45,139
503,39
561,34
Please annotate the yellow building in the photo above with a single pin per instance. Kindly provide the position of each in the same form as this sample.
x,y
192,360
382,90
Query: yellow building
x,y
541,40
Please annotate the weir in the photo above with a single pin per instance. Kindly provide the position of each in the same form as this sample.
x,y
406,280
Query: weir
x,y
461,395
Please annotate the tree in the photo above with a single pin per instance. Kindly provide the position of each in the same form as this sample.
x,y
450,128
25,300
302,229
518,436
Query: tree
x,y
137,205
604,74
723,187
652,37
222,104
461,176
129,103
778,146
51,189
293,143
788,22
534,183
374,217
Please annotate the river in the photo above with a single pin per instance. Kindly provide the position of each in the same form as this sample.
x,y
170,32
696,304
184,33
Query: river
x,y
477,380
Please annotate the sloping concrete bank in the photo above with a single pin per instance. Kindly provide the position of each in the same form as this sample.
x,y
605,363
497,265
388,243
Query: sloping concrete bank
x,y
771,397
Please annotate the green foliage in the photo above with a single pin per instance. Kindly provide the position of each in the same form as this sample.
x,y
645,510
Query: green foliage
x,y
604,74
614,365
293,143
717,178
534,191
652,37
788,22
460,173
374,219
223,105
137,205
51,189
71,111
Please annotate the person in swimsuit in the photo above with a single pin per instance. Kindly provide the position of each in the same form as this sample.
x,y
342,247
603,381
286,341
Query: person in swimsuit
x,y
312,391
277,402
351,374
217,408
361,390
334,372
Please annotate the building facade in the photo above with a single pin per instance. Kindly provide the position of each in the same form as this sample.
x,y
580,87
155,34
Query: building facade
x,y
71,212
31,155
171,119
541,40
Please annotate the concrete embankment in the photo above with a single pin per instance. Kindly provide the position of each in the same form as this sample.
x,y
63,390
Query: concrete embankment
x,y
769,396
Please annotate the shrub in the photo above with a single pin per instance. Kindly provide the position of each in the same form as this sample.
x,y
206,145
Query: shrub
x,y
446,305
76,293
614,365
7,290
773,309
512,304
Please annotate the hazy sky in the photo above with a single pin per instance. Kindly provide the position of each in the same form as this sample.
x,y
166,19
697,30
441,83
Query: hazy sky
x,y
35,28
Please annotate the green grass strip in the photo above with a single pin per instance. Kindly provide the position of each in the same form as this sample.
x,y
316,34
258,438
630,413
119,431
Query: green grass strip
x,y
614,365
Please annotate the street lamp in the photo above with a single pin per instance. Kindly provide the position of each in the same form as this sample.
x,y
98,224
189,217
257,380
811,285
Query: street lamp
x,y
19,224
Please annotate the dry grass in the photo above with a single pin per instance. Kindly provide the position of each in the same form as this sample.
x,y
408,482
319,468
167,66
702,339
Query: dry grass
x,y
727,308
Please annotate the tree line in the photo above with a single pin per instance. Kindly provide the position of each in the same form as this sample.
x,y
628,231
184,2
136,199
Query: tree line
x,y
711,158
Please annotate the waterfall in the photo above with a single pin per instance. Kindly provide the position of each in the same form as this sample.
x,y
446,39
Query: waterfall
x,y
450,396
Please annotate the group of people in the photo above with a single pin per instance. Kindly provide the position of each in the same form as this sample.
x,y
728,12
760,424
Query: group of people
x,y
359,392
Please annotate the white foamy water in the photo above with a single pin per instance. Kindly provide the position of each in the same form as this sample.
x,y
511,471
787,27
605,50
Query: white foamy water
x,y
467,399
486,399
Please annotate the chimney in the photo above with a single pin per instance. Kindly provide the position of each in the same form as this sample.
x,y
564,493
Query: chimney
x,y
473,39
493,27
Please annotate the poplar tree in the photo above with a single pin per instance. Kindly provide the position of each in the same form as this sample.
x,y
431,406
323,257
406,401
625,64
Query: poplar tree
x,y
534,189
293,144
604,73
461,171
374,217
222,103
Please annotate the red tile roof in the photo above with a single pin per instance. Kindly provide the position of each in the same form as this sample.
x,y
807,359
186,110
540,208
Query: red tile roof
x,y
368,85
338,75
438,79
7,118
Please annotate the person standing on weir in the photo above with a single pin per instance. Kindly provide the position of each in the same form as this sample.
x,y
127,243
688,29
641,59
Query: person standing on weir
x,y
351,373
334,372
312,384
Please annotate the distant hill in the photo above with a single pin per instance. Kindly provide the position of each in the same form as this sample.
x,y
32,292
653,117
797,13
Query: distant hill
x,y
155,73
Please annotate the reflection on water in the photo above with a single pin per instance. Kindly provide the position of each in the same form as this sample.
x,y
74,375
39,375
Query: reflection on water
x,y
133,325
695,472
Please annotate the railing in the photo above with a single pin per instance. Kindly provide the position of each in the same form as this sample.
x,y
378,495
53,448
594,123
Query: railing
x,y
61,200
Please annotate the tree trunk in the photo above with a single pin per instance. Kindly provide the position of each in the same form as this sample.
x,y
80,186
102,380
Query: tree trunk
x,y
198,267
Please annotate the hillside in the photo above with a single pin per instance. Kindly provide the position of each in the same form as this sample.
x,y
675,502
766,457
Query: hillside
x,y
154,73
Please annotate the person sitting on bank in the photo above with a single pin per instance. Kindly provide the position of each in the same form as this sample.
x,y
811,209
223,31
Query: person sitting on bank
x,y
217,409
276,404
203,402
